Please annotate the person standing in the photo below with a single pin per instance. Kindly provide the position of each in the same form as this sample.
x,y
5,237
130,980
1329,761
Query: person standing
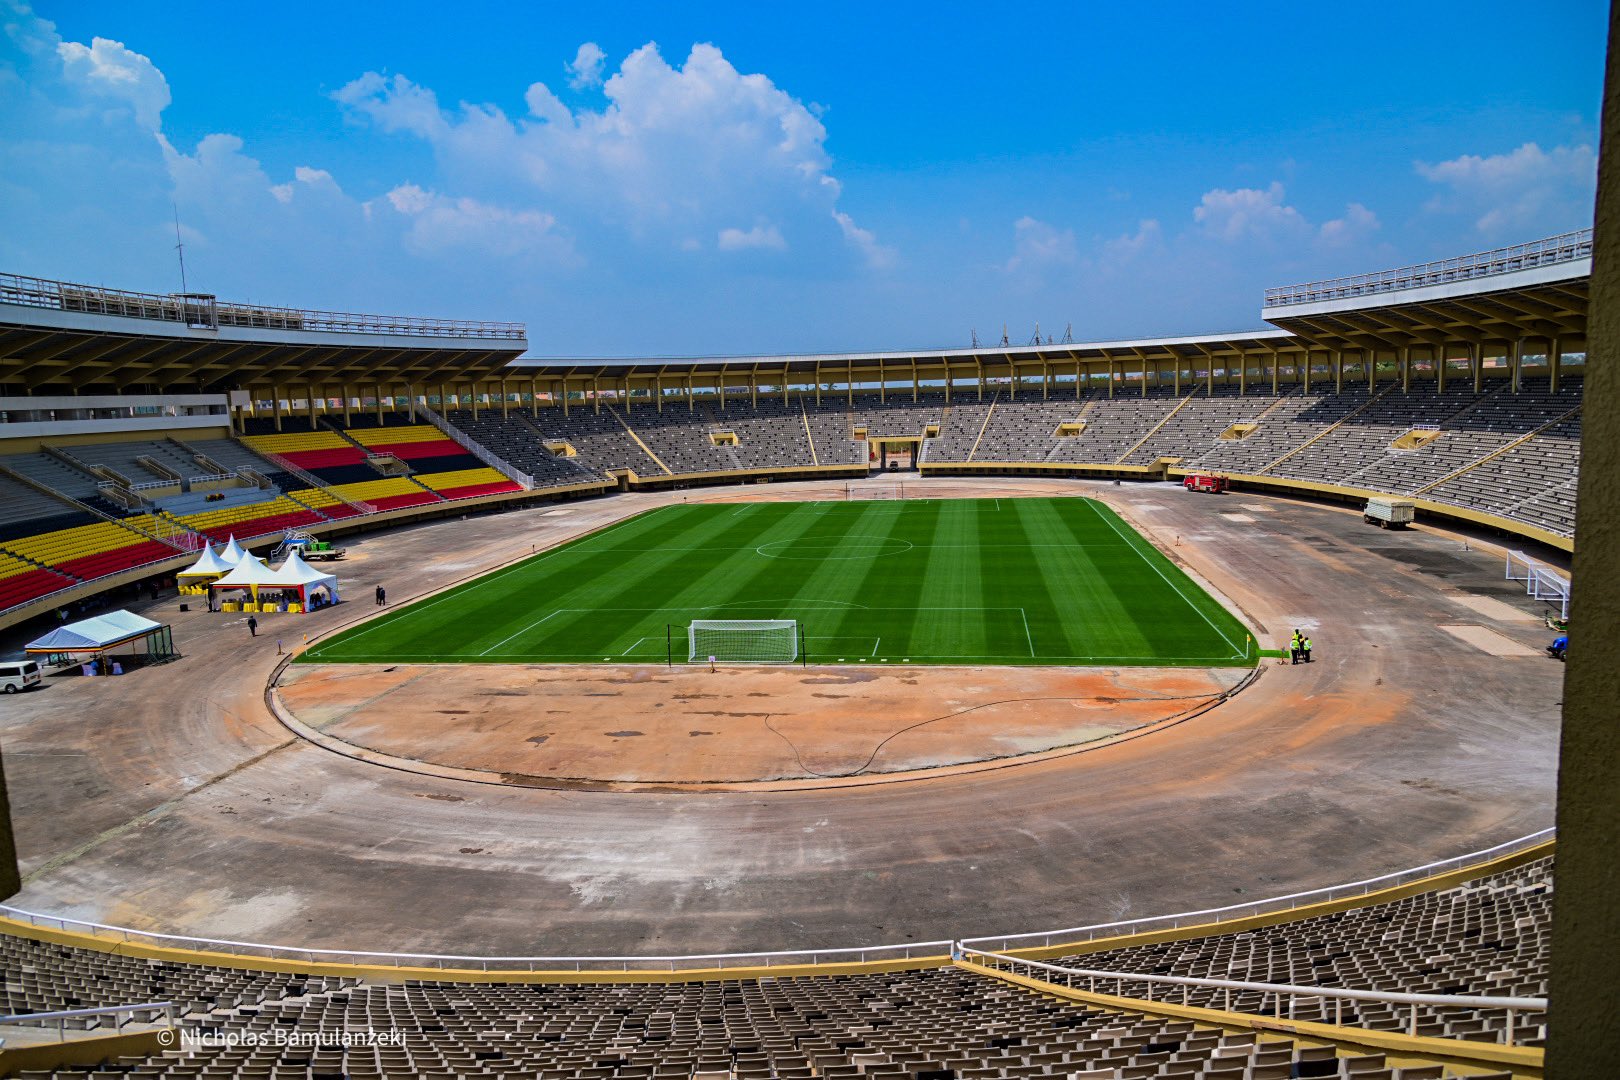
x,y
1293,648
382,596
253,626
1305,647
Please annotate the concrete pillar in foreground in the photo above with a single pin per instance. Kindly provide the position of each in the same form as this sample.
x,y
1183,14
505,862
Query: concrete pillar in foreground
x,y
1585,1029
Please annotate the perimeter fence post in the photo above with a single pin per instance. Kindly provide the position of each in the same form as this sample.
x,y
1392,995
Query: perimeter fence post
x,y
669,645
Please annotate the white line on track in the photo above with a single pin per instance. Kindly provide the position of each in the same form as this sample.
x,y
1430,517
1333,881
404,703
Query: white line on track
x,y
523,631
1236,652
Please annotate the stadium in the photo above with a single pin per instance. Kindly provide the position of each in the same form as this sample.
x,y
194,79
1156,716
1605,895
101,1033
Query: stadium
x,y
387,701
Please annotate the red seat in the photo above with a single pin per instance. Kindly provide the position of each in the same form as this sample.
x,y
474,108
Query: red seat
x,y
474,490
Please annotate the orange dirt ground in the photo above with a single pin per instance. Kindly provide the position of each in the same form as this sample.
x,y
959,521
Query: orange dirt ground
x,y
537,725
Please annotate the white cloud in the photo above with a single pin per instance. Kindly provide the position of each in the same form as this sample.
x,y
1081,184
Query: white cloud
x,y
107,68
1526,189
676,152
877,256
1248,213
1357,224
760,236
586,68
1037,245
440,223
1147,237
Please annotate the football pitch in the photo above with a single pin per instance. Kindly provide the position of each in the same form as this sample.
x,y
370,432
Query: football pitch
x,y
956,581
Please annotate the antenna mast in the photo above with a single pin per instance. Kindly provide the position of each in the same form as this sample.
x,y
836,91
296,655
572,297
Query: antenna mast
x,y
180,248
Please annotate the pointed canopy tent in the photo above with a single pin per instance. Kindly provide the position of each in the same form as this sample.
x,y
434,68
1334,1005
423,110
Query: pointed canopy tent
x,y
210,565
234,552
250,574
295,573
95,637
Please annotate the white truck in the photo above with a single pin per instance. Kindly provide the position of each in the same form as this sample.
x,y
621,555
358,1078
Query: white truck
x,y
1389,513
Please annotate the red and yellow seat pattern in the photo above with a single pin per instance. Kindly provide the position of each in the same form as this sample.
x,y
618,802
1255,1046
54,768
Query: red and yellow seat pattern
x,y
308,449
390,494
92,551
22,581
254,519
466,483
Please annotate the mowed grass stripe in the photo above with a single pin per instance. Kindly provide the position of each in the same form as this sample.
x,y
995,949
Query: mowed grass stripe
x,y
936,581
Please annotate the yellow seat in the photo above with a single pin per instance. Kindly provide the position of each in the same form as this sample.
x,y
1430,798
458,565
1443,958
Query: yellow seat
x,y
295,609
230,605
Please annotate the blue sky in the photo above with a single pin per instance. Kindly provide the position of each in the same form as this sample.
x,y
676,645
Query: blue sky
x,y
724,179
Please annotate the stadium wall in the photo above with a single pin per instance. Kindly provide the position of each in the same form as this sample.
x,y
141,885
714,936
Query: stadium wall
x,y
1586,917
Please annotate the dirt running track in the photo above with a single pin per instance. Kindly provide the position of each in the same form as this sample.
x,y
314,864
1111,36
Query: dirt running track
x,y
172,799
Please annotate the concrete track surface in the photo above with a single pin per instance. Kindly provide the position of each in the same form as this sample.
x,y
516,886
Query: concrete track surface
x,y
171,799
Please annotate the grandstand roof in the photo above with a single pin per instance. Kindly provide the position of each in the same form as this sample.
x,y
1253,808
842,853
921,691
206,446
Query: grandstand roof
x,y
1536,290
58,333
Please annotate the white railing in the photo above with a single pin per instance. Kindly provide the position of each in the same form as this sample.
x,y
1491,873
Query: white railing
x,y
494,461
124,1013
688,962
1279,992
1566,247
1079,934
209,478
205,311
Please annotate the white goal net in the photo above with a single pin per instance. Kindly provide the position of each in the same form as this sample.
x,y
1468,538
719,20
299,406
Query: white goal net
x,y
743,641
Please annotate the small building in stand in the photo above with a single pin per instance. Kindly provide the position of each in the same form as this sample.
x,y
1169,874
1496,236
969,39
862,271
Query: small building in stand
x,y
107,644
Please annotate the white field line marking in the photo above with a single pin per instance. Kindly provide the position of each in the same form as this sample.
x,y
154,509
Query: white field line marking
x,y
459,590
428,659
525,630
1024,615
1236,652
875,645
633,648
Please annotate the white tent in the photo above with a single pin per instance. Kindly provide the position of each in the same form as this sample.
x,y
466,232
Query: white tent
x,y
251,574
295,573
210,565
233,553
95,634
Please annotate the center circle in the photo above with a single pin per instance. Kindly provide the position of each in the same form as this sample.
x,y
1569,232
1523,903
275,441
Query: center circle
x,y
823,548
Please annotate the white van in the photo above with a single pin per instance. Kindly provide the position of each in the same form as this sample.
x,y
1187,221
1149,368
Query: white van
x,y
18,675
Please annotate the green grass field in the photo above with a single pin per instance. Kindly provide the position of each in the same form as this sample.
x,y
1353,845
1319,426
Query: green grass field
x,y
962,581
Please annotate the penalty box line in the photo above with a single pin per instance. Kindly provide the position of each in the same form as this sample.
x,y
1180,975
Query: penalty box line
x,y
1022,615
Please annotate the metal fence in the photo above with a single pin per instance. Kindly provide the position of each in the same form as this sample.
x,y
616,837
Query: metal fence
x,y
202,311
704,961
1564,248
1284,997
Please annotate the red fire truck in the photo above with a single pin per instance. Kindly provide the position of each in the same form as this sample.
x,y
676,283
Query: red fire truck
x,y
1206,482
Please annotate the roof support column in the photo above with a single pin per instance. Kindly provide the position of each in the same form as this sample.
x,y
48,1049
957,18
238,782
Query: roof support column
x,y
1276,366
947,364
1175,378
980,364
916,390
753,389
309,403
1209,374
1307,369
1012,378
596,395
1046,380
565,396
1143,357
1440,367
1555,361
275,404
1110,358
786,378
883,384
472,391
849,385
344,389
1516,361
691,393
658,392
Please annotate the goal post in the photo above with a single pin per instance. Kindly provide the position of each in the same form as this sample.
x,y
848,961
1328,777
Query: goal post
x,y
743,641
